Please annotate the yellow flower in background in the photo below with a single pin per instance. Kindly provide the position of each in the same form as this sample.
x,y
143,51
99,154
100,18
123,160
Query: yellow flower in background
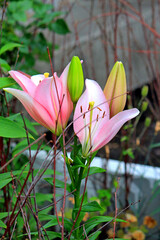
x,y
60,214
149,222
127,236
71,199
125,224
138,235
131,218
110,233
86,216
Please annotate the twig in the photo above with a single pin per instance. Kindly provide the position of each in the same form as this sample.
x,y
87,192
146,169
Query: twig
x,y
84,230
16,155
133,203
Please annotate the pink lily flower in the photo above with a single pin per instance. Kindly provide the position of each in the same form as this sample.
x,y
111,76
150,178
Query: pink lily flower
x,y
39,98
92,123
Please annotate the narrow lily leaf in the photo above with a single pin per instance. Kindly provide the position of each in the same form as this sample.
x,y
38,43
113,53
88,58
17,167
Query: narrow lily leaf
x,y
59,183
101,219
93,170
7,175
6,82
94,221
117,239
5,214
5,182
9,47
10,129
53,222
91,207
2,225
94,236
51,235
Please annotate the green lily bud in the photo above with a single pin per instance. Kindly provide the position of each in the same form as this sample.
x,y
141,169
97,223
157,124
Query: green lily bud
x,y
144,91
144,106
115,89
75,80
147,122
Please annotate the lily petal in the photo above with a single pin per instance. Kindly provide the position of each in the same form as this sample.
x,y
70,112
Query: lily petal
x,y
110,128
35,109
66,103
93,93
64,76
46,95
25,82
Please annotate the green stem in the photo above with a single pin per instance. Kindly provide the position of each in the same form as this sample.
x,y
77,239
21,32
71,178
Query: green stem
x,y
68,167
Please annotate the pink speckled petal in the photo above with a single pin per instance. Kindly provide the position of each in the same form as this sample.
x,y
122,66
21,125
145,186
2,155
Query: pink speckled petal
x,y
109,129
93,93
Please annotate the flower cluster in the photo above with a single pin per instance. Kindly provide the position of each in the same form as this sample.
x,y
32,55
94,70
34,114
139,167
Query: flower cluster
x,y
98,114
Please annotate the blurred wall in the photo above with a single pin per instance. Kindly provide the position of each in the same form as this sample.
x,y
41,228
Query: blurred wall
x,y
105,31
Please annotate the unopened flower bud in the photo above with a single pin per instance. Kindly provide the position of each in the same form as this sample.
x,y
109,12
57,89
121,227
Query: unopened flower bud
x,y
144,106
147,122
75,80
144,91
115,89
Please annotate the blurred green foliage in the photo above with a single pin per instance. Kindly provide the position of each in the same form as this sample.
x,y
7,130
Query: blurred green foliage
x,y
25,22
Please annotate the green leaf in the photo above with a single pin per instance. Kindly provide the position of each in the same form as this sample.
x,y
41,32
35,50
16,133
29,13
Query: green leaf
x,y
6,82
2,225
47,18
59,183
5,214
51,235
18,118
93,170
9,47
42,197
94,221
91,207
128,152
77,163
10,129
118,239
155,145
5,182
7,175
60,27
124,139
4,65
94,236
67,223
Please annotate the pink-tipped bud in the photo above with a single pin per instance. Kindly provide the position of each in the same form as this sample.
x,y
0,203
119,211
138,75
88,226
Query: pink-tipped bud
x,y
115,89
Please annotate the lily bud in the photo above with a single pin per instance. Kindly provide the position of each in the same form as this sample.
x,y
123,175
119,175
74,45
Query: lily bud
x,y
147,122
115,89
144,106
75,80
144,91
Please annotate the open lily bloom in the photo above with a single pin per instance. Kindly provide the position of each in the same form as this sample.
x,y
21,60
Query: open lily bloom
x,y
39,98
92,123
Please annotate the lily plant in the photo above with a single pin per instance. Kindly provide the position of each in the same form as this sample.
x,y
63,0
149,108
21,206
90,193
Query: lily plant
x,y
98,116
